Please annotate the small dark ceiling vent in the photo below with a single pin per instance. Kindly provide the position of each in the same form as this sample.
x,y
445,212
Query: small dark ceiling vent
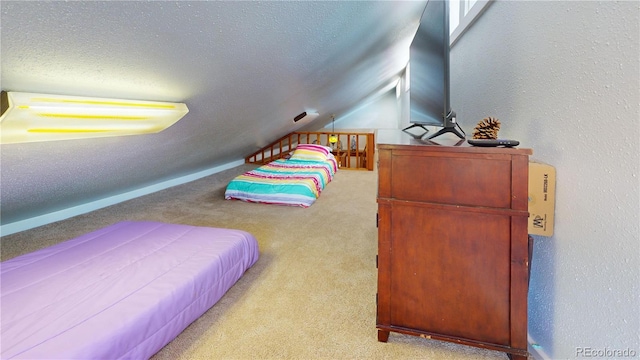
x,y
300,117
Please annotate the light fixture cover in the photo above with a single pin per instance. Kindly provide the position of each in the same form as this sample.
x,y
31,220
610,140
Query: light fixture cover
x,y
29,117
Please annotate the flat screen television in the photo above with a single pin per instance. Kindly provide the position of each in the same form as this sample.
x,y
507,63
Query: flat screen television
x,y
429,99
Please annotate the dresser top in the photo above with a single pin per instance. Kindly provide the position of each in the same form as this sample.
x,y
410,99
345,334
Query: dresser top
x,y
398,139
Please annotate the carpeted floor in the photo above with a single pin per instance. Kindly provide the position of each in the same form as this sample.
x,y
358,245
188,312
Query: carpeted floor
x,y
311,295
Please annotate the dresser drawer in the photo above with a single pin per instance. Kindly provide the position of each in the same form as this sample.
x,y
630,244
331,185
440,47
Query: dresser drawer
x,y
456,178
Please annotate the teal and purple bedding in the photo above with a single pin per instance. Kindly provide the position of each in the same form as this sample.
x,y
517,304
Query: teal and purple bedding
x,y
121,292
296,182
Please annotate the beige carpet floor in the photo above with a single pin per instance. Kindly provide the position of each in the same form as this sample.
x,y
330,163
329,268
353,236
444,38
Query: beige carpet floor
x,y
311,295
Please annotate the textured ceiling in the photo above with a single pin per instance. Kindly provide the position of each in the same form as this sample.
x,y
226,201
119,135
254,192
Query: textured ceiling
x,y
245,69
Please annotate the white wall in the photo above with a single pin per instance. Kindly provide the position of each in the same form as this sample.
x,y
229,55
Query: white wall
x,y
378,113
563,78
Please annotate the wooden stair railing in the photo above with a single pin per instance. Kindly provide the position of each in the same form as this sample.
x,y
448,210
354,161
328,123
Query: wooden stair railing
x,y
353,151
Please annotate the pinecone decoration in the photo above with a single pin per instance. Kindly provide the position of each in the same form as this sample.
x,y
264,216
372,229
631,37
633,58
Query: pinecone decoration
x,y
487,128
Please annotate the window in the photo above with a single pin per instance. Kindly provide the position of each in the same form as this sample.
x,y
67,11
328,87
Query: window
x,y
462,13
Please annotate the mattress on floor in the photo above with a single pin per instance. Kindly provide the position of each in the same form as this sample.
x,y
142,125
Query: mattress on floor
x,y
283,182
123,291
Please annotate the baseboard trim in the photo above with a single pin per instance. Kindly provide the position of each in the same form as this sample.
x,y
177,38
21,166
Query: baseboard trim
x,y
45,219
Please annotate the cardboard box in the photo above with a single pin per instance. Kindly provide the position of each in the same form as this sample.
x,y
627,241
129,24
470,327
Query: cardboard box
x,y
542,198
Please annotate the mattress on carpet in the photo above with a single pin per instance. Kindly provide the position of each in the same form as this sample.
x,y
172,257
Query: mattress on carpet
x,y
283,182
121,292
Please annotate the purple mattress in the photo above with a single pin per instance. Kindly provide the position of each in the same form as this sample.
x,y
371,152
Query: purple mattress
x,y
124,291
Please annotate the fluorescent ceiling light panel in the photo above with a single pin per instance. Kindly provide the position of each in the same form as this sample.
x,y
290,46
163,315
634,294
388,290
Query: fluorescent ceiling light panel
x,y
29,117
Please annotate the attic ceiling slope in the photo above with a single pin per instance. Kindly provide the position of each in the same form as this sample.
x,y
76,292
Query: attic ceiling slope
x,y
244,69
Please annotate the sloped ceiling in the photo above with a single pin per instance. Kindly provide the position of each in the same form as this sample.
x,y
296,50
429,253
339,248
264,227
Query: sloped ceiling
x,y
244,69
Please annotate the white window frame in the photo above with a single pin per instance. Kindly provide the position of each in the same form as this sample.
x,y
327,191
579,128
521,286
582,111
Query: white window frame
x,y
469,11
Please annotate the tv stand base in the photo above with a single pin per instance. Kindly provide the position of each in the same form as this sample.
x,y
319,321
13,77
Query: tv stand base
x,y
416,125
453,129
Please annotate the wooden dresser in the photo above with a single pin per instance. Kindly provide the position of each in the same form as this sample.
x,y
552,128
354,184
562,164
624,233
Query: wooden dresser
x,y
453,255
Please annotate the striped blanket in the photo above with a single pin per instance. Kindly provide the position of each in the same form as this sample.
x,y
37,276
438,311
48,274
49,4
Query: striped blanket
x,y
283,182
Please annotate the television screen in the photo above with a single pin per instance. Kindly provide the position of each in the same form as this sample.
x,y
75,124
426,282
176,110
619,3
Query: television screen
x,y
429,101
429,66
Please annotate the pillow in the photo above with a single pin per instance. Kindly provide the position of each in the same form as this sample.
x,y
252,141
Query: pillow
x,y
318,147
311,152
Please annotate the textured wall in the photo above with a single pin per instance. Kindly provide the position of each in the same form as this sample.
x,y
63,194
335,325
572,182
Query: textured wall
x,y
563,78
379,113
